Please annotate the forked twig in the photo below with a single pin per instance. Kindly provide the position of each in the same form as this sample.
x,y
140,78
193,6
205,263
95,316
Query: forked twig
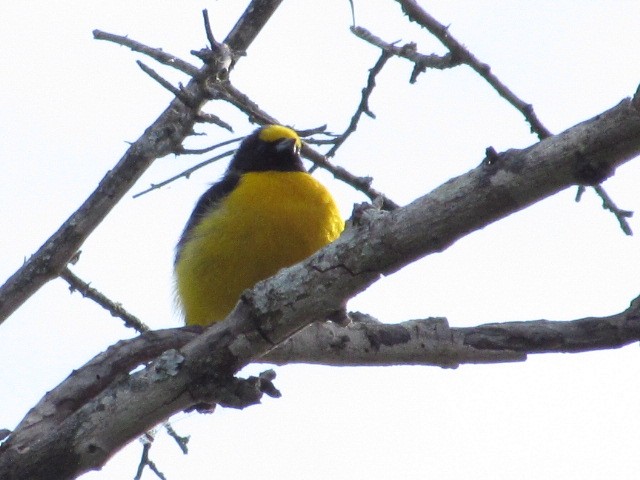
x,y
417,14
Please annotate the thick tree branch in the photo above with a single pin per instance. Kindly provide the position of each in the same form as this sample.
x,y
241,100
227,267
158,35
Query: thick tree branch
x,y
249,25
432,342
202,372
364,342
164,136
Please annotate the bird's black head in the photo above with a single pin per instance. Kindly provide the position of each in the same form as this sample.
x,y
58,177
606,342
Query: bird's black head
x,y
270,148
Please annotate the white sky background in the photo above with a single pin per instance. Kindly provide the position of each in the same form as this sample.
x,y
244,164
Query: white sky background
x,y
70,104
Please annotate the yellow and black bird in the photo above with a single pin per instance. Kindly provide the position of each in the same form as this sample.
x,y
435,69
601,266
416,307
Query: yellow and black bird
x,y
266,213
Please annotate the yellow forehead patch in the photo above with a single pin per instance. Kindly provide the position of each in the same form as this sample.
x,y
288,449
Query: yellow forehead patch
x,y
273,133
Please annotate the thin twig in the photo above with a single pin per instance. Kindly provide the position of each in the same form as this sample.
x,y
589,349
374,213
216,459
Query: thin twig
x,y
147,441
213,119
180,440
177,92
353,13
200,151
186,173
363,106
311,131
362,184
621,215
156,53
608,204
217,53
114,308
207,29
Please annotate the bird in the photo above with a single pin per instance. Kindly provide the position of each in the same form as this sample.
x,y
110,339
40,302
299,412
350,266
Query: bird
x,y
265,213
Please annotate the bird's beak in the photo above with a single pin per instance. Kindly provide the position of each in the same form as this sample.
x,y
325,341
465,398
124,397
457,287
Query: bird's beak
x,y
287,145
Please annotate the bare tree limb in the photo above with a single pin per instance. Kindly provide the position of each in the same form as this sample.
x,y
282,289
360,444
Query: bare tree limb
x,y
364,342
417,14
410,52
367,342
175,91
363,106
114,308
145,461
361,184
97,374
156,53
608,204
254,18
185,173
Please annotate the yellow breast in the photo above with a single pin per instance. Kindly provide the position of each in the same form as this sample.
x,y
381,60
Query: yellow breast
x,y
271,220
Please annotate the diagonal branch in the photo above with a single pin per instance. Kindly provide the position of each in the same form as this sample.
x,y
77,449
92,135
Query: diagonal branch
x,y
460,53
410,52
367,342
417,14
156,53
114,308
620,214
363,107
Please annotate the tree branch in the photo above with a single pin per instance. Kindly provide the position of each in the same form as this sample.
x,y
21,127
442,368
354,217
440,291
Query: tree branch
x,y
620,214
410,52
367,342
157,54
114,308
363,106
364,342
417,14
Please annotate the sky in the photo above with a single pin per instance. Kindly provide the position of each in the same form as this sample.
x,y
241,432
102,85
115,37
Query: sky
x,y
71,104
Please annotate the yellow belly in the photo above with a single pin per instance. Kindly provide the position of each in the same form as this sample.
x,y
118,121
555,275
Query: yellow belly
x,y
271,220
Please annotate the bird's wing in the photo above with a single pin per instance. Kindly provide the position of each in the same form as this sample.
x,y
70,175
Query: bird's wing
x,y
207,202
